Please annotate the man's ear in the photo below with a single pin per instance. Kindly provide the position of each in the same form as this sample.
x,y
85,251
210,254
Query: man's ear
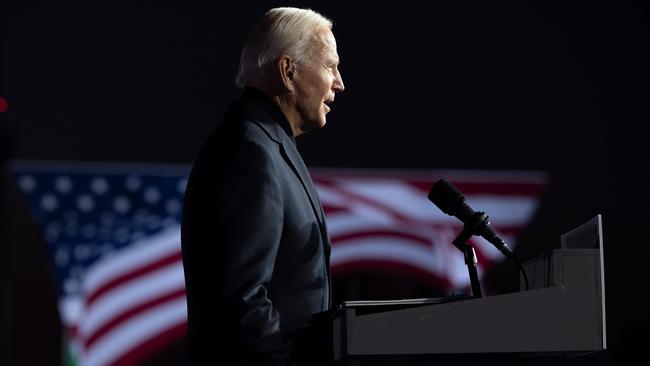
x,y
287,68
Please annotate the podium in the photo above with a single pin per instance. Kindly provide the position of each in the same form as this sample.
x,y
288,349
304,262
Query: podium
x,y
563,313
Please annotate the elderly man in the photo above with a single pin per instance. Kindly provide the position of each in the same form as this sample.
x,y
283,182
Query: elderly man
x,y
255,245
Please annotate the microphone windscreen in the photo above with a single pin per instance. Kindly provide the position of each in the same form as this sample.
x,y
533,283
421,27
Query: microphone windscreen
x,y
444,195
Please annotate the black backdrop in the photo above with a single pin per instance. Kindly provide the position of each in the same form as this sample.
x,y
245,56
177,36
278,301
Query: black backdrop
x,y
558,87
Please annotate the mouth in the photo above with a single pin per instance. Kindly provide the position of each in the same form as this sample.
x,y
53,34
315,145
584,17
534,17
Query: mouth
x,y
327,104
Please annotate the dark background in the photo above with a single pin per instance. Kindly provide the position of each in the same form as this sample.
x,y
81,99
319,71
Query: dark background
x,y
558,87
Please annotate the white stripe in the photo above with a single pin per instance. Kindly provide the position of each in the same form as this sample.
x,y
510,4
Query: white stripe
x,y
441,260
133,293
400,197
454,176
505,210
133,333
395,250
330,197
71,308
502,210
346,223
137,255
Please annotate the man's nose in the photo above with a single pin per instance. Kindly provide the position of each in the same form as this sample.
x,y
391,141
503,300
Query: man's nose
x,y
338,85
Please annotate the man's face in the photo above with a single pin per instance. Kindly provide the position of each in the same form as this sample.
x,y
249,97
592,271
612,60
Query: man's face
x,y
316,82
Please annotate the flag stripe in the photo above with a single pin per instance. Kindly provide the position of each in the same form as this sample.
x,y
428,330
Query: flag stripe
x,y
125,315
133,257
391,268
152,344
126,277
378,248
129,335
356,199
131,294
413,237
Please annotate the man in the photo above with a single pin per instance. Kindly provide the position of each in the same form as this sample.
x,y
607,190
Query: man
x,y
255,246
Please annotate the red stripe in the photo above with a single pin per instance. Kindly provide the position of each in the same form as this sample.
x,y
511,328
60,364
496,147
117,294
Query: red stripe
x,y
497,188
351,197
447,226
468,183
126,315
427,241
387,268
332,209
139,354
128,276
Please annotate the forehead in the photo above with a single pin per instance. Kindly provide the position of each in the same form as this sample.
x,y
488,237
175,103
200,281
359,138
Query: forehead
x,y
325,43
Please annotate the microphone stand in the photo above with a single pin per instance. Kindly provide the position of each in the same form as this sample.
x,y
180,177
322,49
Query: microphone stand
x,y
473,226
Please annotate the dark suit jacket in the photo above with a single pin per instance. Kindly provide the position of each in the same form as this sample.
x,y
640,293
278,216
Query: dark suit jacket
x,y
254,243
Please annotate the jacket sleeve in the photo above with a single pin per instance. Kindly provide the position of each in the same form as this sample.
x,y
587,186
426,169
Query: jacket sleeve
x,y
247,214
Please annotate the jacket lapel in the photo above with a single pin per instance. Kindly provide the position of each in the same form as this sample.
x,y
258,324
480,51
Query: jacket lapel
x,y
290,155
296,163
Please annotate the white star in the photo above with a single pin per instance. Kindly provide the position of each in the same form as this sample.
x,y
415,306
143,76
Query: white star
x,y
63,184
27,183
49,202
61,257
172,206
133,183
182,185
81,252
99,186
121,204
85,202
151,195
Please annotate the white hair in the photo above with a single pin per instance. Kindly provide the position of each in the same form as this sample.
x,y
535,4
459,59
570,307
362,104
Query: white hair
x,y
281,31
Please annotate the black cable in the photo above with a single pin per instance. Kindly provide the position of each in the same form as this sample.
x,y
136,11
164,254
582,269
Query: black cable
x,y
521,269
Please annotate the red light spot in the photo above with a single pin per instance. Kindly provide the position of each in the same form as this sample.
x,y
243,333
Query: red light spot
x,y
3,105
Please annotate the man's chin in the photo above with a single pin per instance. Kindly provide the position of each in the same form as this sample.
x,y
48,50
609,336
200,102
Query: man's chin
x,y
314,125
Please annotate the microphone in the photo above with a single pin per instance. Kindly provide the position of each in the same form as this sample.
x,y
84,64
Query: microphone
x,y
450,201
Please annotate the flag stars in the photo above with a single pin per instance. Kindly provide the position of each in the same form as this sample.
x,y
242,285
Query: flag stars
x,y
63,184
52,231
27,183
49,202
182,184
99,186
121,204
172,206
133,183
85,203
71,285
151,195
82,252
61,257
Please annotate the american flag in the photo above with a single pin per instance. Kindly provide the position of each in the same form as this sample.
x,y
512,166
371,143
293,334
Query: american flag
x,y
114,235
383,219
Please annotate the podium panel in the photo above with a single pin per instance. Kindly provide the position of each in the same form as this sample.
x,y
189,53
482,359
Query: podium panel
x,y
563,313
